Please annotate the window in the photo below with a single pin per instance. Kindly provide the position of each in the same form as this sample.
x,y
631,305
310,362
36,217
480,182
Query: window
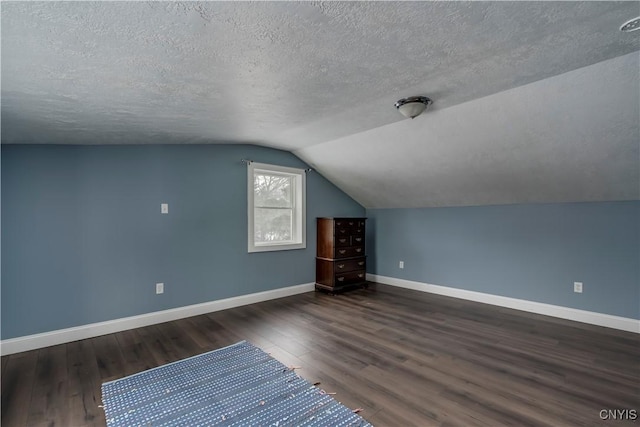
x,y
276,200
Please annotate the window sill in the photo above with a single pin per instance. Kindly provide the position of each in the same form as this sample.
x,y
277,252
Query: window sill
x,y
277,247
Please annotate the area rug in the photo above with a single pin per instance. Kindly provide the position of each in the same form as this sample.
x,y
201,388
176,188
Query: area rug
x,y
239,385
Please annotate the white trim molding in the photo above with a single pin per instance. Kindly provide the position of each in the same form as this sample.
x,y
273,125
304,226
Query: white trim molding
x,y
61,336
590,317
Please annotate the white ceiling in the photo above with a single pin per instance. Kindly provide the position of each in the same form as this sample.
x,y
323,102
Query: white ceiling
x,y
534,101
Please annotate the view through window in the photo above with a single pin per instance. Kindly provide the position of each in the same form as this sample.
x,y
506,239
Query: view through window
x,y
276,208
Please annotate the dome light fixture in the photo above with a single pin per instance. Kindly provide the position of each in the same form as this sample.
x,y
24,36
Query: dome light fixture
x,y
631,25
413,106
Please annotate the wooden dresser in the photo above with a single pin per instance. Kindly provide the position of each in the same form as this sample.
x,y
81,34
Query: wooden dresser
x,y
340,257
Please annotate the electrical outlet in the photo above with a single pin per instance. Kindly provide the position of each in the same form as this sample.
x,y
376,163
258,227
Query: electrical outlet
x,y
164,208
577,287
401,264
159,288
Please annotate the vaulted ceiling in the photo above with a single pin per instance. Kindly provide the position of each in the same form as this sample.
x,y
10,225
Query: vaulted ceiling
x,y
533,101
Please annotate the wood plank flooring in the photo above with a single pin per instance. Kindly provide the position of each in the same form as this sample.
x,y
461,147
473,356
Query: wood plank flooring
x,y
406,358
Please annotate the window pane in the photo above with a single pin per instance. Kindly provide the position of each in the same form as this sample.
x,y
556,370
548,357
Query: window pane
x,y
272,191
273,225
277,205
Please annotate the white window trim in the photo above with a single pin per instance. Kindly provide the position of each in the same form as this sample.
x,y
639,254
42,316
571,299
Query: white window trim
x,y
300,217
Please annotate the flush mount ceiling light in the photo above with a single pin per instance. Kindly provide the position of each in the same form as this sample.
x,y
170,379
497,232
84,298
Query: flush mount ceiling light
x,y
413,106
631,25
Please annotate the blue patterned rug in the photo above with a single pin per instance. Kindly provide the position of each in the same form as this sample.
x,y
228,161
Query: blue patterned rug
x,y
239,385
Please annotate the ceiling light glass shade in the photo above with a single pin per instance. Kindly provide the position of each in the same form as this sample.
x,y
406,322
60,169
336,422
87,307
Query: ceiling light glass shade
x,y
412,109
631,25
413,106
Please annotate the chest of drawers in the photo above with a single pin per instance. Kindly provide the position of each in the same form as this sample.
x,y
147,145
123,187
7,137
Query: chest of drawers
x,y
340,257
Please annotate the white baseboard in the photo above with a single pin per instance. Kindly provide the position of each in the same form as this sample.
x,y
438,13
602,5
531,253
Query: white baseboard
x,y
61,336
593,318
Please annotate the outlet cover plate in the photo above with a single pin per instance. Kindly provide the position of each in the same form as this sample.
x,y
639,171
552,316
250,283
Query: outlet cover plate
x,y
577,287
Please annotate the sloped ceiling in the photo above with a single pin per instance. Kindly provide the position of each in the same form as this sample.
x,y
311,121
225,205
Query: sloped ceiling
x,y
534,101
572,137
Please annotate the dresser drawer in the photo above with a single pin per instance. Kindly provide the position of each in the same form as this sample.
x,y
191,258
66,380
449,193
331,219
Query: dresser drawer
x,y
351,223
343,231
357,240
349,265
348,227
342,241
349,252
349,278
341,223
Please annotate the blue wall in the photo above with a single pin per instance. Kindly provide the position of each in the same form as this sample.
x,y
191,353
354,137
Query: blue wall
x,y
83,239
531,252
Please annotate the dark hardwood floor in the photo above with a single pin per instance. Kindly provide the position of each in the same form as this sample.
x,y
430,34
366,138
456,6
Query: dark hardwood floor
x,y
406,358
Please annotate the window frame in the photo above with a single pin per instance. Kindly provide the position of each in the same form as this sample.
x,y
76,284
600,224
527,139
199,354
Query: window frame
x,y
299,211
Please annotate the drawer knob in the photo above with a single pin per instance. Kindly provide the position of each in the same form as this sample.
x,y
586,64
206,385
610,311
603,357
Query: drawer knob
x,y
359,250
358,239
360,275
340,279
361,263
342,240
342,251
340,265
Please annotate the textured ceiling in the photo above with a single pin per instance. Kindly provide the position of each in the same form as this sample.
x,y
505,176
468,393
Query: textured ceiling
x,y
572,137
287,75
